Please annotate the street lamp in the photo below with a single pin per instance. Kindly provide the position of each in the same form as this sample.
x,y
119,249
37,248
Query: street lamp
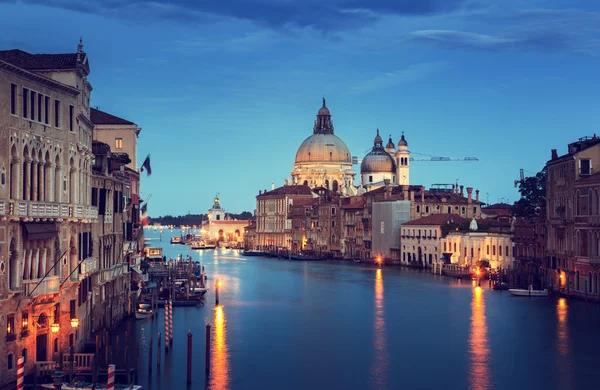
x,y
55,327
74,323
379,261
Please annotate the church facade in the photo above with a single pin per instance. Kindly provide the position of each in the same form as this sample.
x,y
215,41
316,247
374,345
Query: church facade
x,y
220,226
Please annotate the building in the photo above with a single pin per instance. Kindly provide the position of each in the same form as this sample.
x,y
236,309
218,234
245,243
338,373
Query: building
x,y
529,240
352,237
119,133
45,203
323,159
421,238
387,163
387,216
481,240
304,213
221,227
250,238
570,222
273,222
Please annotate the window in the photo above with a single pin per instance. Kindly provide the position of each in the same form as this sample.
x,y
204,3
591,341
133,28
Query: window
x,y
333,224
444,247
46,109
493,250
39,107
57,114
33,97
488,249
11,361
449,210
72,305
333,211
474,210
370,179
10,324
463,210
585,167
24,354
71,118
2,177
455,247
94,196
506,251
13,99
418,209
426,209
24,320
499,250
25,97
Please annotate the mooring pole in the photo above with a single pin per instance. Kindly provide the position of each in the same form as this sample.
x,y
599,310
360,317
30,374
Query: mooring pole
x,y
189,358
158,351
207,357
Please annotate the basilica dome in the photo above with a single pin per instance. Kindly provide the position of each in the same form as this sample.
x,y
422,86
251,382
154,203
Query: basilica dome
x,y
378,160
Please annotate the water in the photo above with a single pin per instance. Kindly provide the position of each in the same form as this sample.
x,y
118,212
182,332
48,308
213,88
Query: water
x,y
311,325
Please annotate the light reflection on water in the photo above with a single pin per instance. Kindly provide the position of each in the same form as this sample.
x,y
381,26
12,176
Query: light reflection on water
x,y
219,367
479,370
379,369
562,344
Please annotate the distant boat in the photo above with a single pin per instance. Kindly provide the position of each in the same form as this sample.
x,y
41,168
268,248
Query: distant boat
x,y
176,240
521,292
144,311
303,257
201,245
252,252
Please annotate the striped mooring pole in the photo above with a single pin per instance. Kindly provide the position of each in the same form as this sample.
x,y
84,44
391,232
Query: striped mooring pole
x,y
167,325
20,372
171,322
110,383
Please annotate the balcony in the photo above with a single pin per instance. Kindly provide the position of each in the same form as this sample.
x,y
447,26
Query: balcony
x,y
49,285
109,274
594,220
594,259
88,267
2,207
27,209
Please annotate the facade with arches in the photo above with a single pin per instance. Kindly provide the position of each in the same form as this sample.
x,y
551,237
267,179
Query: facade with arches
x,y
220,227
45,176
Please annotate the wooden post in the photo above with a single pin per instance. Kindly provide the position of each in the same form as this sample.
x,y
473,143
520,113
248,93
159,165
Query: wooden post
x,y
150,355
207,363
21,370
106,348
158,351
110,383
71,364
217,292
189,358
166,327
171,322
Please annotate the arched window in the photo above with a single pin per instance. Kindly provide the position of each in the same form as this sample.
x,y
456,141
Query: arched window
x,y
327,184
588,285
13,266
426,209
305,182
463,210
493,250
57,179
333,224
454,247
24,354
449,210
13,174
418,209
506,251
445,247
499,250
335,186
590,202
488,250
595,283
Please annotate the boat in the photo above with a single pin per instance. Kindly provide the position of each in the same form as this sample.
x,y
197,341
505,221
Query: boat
x,y
154,254
252,252
500,286
202,245
144,311
530,292
303,257
176,240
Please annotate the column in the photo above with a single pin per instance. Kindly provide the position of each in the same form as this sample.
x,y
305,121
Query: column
x,y
42,182
34,181
27,180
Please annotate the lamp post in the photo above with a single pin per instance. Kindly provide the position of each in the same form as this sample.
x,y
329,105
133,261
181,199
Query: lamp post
x,y
379,260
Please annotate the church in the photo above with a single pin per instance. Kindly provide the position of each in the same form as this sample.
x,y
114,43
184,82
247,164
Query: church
x,y
220,226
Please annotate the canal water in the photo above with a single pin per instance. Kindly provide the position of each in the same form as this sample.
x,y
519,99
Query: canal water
x,y
319,325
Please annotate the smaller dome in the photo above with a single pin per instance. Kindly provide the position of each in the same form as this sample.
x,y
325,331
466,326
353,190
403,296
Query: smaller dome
x,y
378,160
390,145
324,111
402,141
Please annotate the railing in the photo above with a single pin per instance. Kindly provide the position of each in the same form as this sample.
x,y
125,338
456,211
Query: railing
x,y
24,208
109,274
47,286
88,266
594,219
594,259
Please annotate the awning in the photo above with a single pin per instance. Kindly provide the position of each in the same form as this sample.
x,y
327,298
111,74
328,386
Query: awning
x,y
41,231
136,270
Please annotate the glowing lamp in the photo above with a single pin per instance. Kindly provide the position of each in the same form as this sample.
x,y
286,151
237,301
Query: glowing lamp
x,y
8,329
54,327
477,272
74,322
24,323
219,283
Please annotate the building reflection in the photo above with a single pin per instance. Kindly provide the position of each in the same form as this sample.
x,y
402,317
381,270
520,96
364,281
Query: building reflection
x,y
562,330
479,349
380,362
219,365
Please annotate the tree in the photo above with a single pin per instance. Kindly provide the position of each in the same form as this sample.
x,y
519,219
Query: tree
x,y
533,196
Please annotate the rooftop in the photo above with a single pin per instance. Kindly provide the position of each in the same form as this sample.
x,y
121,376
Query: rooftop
x,y
34,62
436,219
288,190
103,118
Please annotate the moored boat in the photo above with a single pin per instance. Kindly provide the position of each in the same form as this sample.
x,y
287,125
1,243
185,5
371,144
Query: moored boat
x,y
500,286
144,311
252,252
176,240
530,292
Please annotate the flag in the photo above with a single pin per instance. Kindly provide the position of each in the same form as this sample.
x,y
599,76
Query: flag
x,y
146,165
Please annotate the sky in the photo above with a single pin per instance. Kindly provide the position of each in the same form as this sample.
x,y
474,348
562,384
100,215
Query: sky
x,y
226,91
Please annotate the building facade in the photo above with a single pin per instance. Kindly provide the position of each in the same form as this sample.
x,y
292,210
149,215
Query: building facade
x,y
120,134
221,227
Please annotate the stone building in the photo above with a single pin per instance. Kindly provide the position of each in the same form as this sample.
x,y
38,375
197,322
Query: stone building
x,y
273,225
529,240
120,134
382,164
323,159
328,239
422,238
45,210
250,238
352,236
303,214
220,226
571,217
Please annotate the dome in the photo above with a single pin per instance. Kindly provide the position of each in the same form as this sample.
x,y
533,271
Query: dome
x,y
402,141
323,148
390,147
378,160
324,111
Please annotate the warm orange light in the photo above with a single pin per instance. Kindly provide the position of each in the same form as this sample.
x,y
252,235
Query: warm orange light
x,y
219,283
25,323
219,375
74,322
378,259
8,328
477,272
479,365
54,327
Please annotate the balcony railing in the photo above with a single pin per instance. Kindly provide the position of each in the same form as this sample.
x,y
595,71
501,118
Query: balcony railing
x,y
48,286
50,210
594,219
594,259
2,207
88,266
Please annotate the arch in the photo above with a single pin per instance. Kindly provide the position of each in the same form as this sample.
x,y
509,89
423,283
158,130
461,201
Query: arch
x,y
597,202
595,283
237,233
39,176
221,234
590,202
13,172
13,266
72,179
335,186
72,255
26,173
47,177
57,179
305,182
327,183
418,209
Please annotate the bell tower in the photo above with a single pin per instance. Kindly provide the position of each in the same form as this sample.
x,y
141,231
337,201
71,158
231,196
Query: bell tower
x,y
403,162
216,213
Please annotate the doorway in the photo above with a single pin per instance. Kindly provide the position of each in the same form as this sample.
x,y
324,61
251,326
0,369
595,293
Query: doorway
x,y
41,348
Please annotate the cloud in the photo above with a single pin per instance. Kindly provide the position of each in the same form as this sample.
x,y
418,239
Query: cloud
x,y
326,16
542,40
410,74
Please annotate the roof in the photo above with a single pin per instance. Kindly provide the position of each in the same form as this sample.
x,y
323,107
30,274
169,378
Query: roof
x,y
288,190
29,61
357,205
231,222
103,118
436,219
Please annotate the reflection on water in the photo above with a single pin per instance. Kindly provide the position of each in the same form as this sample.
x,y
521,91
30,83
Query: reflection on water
x,y
219,364
479,371
380,363
562,330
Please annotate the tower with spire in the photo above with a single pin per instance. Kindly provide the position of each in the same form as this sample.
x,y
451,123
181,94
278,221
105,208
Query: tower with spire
x,y
403,162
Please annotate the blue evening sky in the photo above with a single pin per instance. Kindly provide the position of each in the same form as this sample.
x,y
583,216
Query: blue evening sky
x,y
225,91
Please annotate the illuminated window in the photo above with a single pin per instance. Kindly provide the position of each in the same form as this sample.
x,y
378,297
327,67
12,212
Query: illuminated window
x,y
119,143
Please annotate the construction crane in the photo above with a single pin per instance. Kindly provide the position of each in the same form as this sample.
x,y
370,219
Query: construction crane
x,y
356,160
522,178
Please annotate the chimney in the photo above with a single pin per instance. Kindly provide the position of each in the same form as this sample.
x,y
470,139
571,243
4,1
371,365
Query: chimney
x,y
462,192
477,195
422,194
554,154
404,192
470,194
